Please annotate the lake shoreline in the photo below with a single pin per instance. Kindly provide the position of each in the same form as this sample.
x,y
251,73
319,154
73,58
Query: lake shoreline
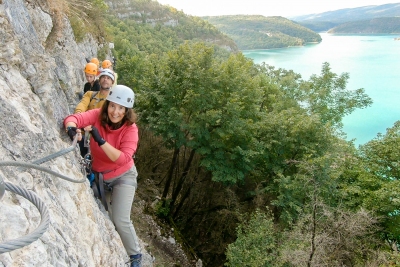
x,y
363,57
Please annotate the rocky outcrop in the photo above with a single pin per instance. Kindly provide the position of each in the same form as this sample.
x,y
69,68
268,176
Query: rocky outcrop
x,y
40,74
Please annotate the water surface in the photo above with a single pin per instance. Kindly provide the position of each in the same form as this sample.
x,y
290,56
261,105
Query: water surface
x,y
373,64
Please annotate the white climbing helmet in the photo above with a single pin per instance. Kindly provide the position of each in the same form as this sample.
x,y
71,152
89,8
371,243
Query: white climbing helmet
x,y
107,72
122,95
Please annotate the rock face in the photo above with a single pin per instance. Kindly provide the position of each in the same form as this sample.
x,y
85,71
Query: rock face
x,y
41,70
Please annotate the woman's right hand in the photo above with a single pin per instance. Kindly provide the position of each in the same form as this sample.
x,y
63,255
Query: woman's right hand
x,y
72,131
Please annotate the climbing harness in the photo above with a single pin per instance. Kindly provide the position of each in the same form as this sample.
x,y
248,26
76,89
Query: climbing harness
x,y
96,179
20,242
87,167
100,187
87,159
99,190
96,96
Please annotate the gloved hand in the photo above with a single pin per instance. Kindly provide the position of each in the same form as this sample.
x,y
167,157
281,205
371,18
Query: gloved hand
x,y
97,137
71,132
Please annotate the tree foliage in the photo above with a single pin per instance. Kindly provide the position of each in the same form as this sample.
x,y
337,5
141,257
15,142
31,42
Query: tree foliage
x,y
384,25
87,17
371,181
198,102
155,29
259,32
226,137
327,96
255,244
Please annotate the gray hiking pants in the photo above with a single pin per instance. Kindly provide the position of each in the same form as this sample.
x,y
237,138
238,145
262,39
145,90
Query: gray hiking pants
x,y
120,204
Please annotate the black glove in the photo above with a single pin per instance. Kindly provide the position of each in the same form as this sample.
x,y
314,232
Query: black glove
x,y
97,137
71,132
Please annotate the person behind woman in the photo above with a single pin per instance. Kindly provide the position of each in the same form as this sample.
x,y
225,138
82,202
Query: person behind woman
x,y
114,140
92,83
97,62
93,100
106,64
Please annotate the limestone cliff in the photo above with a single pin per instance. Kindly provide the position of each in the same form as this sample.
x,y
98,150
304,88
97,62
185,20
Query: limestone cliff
x,y
40,73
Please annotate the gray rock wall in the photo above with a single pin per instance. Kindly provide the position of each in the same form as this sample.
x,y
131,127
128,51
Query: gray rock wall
x,y
40,73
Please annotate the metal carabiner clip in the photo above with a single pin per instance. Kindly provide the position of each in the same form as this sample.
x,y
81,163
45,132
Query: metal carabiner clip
x,y
86,141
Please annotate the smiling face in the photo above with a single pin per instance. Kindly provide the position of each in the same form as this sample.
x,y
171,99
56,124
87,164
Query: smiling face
x,y
115,112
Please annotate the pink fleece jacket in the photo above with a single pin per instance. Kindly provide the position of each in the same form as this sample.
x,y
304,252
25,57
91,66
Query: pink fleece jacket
x,y
124,139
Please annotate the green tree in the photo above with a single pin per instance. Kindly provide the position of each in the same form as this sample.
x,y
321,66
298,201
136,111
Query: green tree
x,y
327,96
198,102
372,181
255,245
133,70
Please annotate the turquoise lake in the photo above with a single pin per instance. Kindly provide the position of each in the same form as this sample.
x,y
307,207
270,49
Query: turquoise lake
x,y
372,62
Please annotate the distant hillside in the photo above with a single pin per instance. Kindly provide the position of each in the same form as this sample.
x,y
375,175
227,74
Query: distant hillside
x,y
259,32
327,20
157,28
378,25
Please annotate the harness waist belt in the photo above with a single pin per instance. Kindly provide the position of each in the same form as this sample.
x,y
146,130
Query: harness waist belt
x,y
99,187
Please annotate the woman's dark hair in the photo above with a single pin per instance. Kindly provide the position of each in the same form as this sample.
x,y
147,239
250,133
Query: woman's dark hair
x,y
129,118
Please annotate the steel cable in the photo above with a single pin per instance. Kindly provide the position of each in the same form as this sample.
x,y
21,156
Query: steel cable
x,y
40,168
58,154
32,197
39,231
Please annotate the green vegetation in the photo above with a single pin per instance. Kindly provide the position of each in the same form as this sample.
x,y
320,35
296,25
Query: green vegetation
x,y
87,17
155,29
259,32
250,161
318,26
257,236
378,25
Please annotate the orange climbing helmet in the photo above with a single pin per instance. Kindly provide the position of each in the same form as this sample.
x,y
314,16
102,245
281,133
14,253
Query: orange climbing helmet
x,y
95,61
91,68
106,64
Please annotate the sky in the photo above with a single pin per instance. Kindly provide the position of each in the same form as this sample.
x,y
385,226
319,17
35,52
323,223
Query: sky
x,y
284,8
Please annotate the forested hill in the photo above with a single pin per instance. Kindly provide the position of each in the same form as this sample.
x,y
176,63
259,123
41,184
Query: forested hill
x,y
157,28
378,25
259,32
328,20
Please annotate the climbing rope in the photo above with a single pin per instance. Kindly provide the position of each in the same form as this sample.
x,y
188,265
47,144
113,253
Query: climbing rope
x,y
32,197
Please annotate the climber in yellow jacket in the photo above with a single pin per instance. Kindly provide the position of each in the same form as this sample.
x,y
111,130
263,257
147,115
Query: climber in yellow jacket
x,y
107,64
93,100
